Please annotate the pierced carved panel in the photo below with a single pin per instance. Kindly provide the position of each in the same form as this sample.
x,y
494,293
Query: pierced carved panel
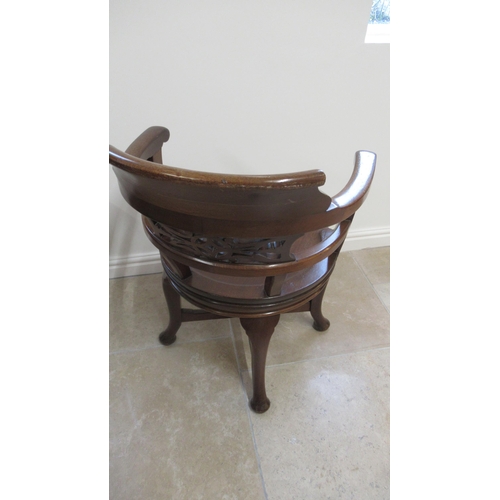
x,y
224,249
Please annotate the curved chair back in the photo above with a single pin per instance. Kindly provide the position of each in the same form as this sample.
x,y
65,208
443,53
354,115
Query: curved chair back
x,y
197,206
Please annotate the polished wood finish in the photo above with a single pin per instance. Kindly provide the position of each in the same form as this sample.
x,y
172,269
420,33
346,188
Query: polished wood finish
x,y
250,247
259,331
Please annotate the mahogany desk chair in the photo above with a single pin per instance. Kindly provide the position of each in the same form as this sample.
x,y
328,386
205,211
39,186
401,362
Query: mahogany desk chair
x,y
250,247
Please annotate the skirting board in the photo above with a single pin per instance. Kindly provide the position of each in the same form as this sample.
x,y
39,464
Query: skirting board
x,y
149,263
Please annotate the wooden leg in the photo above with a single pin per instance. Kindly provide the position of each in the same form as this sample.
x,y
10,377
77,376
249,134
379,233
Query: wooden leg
x,y
320,322
173,299
259,331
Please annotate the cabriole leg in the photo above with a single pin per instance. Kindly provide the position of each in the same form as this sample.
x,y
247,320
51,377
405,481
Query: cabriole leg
x,y
173,299
259,331
320,322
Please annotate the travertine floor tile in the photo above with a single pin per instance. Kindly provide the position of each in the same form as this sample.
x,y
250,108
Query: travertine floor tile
x,y
326,434
358,320
139,313
375,262
179,425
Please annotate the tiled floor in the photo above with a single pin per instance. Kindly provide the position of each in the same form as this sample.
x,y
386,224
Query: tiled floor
x,y
180,426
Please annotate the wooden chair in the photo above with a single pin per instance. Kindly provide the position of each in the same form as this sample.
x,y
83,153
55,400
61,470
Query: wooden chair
x,y
250,247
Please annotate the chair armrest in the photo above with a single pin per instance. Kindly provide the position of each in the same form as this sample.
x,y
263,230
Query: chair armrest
x,y
149,143
356,190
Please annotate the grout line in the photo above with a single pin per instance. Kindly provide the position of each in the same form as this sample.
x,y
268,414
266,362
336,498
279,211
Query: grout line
x,y
250,424
176,343
368,279
346,353
134,276
137,349
383,303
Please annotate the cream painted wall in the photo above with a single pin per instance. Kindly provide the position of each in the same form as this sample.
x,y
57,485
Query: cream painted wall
x,y
265,86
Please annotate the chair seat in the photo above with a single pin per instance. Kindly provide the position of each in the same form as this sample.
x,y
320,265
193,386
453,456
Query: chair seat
x,y
246,296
